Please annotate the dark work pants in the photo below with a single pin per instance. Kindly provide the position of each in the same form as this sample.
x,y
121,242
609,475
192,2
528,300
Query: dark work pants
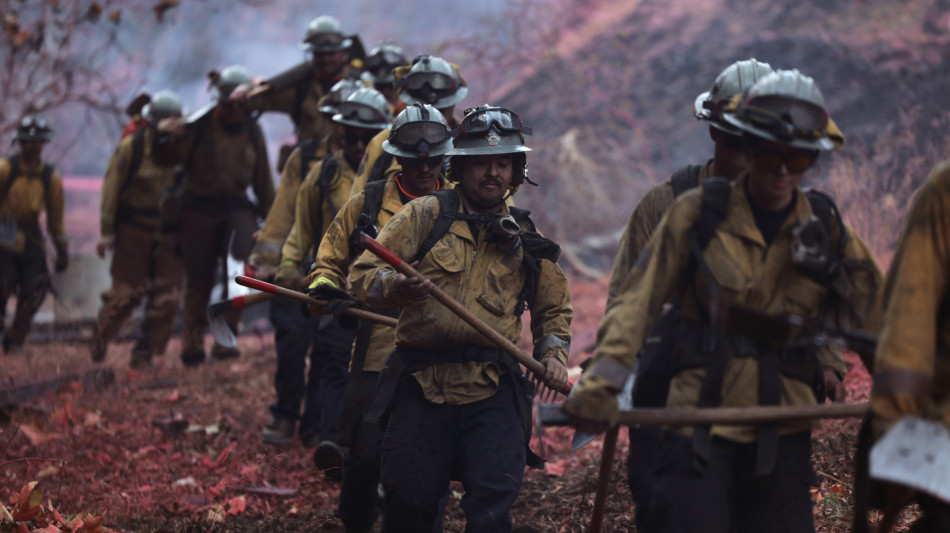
x,y
24,273
426,444
640,472
935,517
331,346
725,496
358,491
293,338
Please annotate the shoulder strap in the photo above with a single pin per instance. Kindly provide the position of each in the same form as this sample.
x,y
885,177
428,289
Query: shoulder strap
x,y
378,171
308,154
328,170
685,179
366,222
712,211
823,206
448,212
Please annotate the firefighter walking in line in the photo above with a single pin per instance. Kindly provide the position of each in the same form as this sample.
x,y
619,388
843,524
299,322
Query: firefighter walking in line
x,y
28,186
419,140
378,72
325,189
292,335
223,153
459,407
146,262
739,257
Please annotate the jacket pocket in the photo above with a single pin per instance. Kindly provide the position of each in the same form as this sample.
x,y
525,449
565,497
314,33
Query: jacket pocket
x,y
446,257
804,296
492,303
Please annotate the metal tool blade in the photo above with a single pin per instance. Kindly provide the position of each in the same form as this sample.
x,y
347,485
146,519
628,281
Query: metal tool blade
x,y
624,402
914,453
218,327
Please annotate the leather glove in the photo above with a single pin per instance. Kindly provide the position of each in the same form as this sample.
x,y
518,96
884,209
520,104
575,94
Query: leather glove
x,y
264,264
289,276
592,404
338,301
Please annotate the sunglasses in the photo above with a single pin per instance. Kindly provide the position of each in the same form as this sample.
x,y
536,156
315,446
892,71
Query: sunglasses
x,y
419,162
479,121
796,162
353,136
362,112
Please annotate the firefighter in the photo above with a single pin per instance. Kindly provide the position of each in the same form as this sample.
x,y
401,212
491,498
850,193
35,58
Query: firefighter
x,y
28,186
419,140
459,407
741,257
223,152
378,73
145,261
292,335
429,80
326,188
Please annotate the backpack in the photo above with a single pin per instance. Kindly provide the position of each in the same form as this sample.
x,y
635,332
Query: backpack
x,y
328,170
655,369
366,222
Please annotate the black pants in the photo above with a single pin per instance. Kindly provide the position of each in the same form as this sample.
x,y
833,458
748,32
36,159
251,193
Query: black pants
x,y
425,444
640,472
725,496
331,347
293,337
936,516
359,489
24,273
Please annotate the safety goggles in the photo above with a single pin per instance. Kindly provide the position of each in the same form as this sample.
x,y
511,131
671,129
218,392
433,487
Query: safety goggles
x,y
362,112
786,119
479,121
796,162
418,162
385,59
326,40
436,81
353,136
413,133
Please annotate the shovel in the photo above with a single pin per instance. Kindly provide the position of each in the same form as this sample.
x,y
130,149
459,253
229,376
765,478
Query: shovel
x,y
220,330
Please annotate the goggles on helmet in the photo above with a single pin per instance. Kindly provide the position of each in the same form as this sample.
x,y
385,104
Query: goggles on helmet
x,y
384,59
413,133
481,120
326,40
362,112
436,81
786,119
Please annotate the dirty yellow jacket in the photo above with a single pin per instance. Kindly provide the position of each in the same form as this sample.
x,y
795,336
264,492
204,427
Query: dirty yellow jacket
x,y
314,212
335,257
138,201
480,276
749,275
913,353
310,122
280,218
222,162
27,198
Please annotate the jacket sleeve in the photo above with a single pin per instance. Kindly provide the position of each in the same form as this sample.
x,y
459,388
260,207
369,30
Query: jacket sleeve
x,y
333,256
915,293
55,206
280,218
263,182
117,175
551,314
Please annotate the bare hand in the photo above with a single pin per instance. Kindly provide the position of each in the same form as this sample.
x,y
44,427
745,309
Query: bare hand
x,y
240,93
833,387
555,374
413,289
106,243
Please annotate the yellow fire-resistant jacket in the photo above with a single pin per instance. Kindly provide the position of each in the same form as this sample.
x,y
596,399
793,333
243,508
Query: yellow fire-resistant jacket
x,y
481,277
314,211
913,353
749,275
222,164
310,122
27,198
334,259
138,200
281,216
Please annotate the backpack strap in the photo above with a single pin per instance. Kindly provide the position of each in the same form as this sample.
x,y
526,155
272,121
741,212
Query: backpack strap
x,y
685,179
448,213
328,170
308,154
824,207
366,222
378,172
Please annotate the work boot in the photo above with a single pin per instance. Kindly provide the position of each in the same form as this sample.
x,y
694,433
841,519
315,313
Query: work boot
x,y
192,358
329,457
140,360
310,440
97,350
220,352
278,432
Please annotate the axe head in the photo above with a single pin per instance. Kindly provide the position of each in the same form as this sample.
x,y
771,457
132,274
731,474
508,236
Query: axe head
x,y
914,453
218,327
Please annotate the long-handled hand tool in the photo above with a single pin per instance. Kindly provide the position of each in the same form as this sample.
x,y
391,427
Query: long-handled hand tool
x,y
218,326
277,290
532,364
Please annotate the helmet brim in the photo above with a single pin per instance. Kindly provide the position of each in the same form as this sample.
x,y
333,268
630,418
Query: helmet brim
x,y
346,43
369,126
441,103
488,150
437,150
823,143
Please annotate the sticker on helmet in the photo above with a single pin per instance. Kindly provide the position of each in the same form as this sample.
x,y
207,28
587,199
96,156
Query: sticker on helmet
x,y
493,139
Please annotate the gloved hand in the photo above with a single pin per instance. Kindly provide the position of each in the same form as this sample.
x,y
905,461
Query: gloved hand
x,y
106,243
337,300
592,404
264,264
288,276
62,257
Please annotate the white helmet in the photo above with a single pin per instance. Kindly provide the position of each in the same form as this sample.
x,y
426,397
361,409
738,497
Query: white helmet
x,y
419,130
489,130
324,34
432,80
784,107
165,104
735,79
381,61
341,90
365,108
228,80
